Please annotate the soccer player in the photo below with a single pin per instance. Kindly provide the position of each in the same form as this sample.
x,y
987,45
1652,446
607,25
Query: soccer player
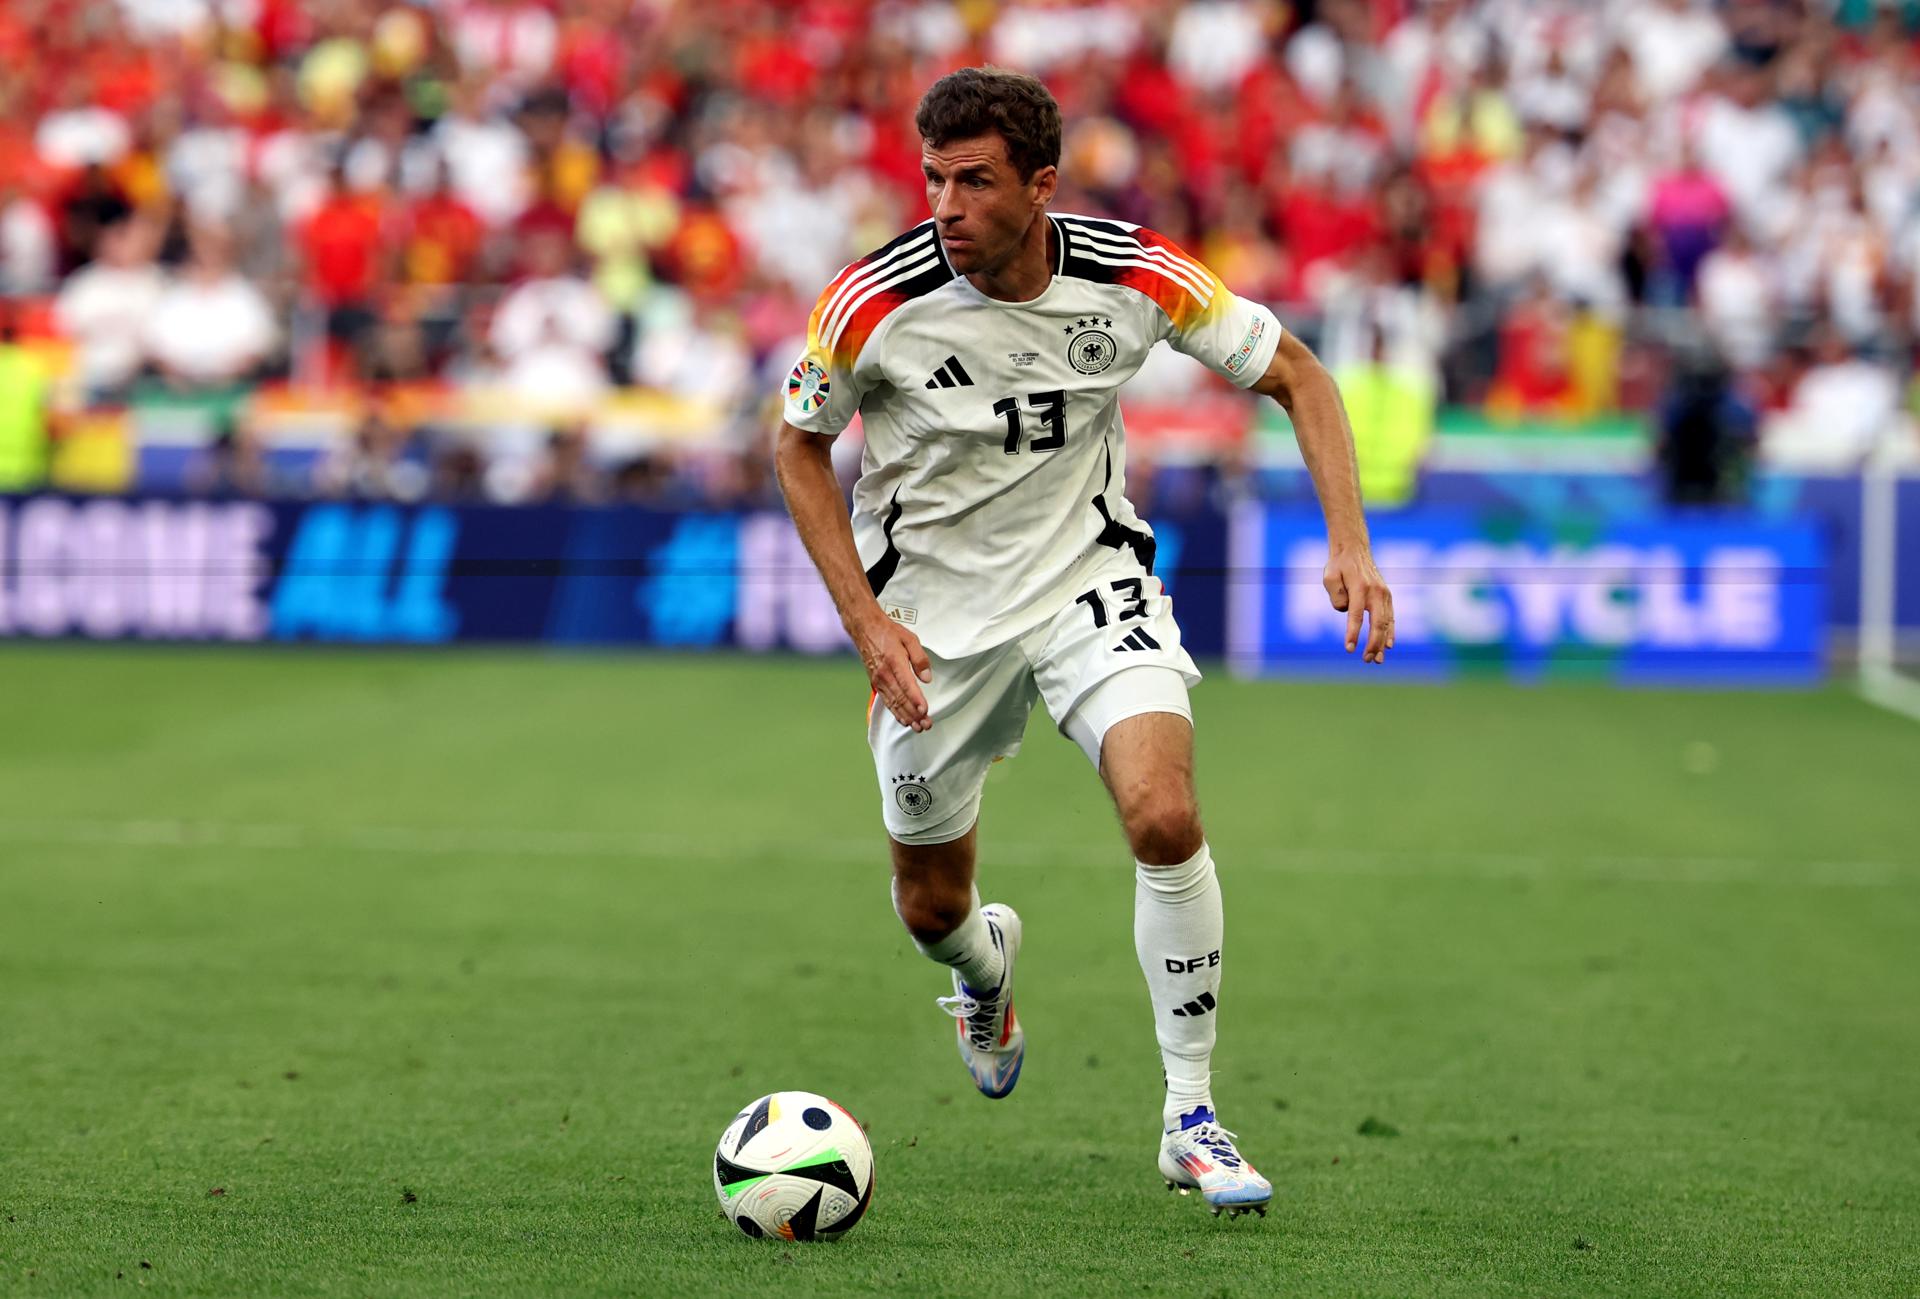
x,y
993,557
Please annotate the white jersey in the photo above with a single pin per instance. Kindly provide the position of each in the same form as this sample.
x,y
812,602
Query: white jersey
x,y
994,472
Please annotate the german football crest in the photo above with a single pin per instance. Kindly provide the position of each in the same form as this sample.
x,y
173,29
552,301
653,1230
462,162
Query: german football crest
x,y
807,386
912,796
1091,348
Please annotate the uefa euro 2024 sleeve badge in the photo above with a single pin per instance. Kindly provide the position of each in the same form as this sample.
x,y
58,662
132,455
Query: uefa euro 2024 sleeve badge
x,y
1091,349
807,386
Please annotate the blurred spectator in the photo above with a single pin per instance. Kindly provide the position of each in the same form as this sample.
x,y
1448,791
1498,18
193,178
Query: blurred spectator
x,y
105,307
344,246
1842,405
1391,408
1040,37
1737,300
621,226
1535,376
1672,43
486,155
1553,96
513,40
1509,248
458,475
564,167
29,244
696,353
551,332
378,463
644,480
80,132
1687,209
23,410
210,328
1322,228
385,157
567,475
1747,140
166,18
439,237
1469,121
206,165
1581,244
1213,45
92,203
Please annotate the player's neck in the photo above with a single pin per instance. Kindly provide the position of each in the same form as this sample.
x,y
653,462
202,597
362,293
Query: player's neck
x,y
1025,275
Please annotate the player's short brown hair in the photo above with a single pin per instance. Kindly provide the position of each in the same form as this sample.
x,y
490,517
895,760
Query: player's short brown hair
x,y
974,101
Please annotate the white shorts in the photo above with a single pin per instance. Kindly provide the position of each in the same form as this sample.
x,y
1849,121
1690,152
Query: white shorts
x,y
1112,653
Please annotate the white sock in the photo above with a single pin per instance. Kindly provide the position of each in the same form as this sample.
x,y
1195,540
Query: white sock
x,y
1177,929
969,949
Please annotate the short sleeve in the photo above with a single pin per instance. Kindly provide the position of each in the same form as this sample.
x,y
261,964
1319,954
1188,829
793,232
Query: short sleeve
x,y
1233,336
825,386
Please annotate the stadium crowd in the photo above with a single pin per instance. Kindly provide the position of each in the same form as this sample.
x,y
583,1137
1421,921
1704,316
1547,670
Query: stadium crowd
x,y
517,249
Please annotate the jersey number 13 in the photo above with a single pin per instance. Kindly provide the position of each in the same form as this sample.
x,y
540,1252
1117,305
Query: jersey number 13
x,y
1052,409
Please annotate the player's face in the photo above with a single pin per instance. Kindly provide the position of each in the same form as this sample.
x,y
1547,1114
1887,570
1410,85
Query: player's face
x,y
981,206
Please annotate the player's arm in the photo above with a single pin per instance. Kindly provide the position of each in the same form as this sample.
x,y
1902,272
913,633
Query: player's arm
x,y
895,661
1296,379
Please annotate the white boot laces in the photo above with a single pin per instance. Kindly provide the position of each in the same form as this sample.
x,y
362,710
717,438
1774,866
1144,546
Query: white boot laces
x,y
978,1016
1217,1141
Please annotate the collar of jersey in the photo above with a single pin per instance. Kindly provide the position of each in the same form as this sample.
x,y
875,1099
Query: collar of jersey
x,y
1053,278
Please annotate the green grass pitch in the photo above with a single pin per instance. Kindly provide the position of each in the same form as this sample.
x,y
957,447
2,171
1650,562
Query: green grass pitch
x,y
368,974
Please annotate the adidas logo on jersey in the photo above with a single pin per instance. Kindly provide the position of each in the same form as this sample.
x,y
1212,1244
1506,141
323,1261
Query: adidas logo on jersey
x,y
1137,639
951,375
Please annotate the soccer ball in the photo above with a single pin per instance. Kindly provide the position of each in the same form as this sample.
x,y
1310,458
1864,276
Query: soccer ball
x,y
793,1165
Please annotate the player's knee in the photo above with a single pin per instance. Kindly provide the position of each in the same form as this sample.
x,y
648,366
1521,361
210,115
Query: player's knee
x,y
930,911
1164,830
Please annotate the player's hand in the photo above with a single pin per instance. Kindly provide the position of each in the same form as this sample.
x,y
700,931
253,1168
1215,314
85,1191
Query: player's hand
x,y
1356,588
896,666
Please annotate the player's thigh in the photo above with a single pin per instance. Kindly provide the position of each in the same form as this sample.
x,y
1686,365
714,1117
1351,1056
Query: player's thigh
x,y
1146,760
1140,726
930,781
1113,653
1115,678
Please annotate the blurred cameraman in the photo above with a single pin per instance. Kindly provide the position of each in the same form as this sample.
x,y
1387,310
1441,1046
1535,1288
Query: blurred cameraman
x,y
1707,430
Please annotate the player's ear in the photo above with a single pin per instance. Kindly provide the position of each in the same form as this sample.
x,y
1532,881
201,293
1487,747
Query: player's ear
x,y
1044,182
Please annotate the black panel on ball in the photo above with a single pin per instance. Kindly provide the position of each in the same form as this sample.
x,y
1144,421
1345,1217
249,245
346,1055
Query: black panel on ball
x,y
845,1224
729,1172
755,1125
805,1224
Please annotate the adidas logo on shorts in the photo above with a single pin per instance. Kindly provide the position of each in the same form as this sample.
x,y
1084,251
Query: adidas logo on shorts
x,y
951,375
1137,639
